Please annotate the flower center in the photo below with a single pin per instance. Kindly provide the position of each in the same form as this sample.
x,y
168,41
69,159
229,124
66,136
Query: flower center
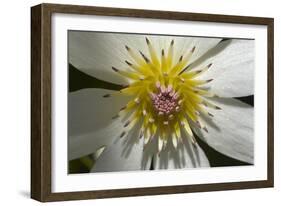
x,y
165,101
167,96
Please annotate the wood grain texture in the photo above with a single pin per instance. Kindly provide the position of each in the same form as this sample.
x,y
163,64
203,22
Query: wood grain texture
x,y
36,139
41,101
270,102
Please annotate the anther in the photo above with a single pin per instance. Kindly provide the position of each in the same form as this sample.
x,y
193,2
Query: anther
x,y
144,57
130,64
165,122
195,91
144,112
193,49
160,113
127,123
115,117
137,100
151,120
128,49
206,130
114,69
147,40
123,108
171,117
182,71
181,57
122,134
106,95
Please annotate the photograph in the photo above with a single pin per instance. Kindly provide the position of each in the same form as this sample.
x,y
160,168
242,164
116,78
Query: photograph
x,y
151,102
134,102
137,102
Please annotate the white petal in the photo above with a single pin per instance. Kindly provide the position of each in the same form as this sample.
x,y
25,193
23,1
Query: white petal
x,y
202,46
230,131
90,123
95,53
186,155
232,70
124,154
184,44
87,143
88,110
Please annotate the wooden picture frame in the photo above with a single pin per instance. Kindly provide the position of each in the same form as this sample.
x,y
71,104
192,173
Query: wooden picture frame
x,y
41,118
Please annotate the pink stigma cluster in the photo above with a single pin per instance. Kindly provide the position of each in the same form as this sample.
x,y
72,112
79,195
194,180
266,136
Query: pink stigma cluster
x,y
165,101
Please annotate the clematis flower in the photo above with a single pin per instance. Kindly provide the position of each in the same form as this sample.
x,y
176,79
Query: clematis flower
x,y
172,90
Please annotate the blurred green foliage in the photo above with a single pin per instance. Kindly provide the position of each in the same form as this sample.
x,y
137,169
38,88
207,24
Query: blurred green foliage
x,y
81,165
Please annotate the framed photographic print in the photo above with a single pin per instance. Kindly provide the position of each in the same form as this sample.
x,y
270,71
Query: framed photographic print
x,y
130,102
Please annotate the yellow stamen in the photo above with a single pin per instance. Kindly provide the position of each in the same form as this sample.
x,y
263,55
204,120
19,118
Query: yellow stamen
x,y
166,95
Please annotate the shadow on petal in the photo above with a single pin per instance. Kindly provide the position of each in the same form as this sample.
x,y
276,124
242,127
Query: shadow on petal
x,y
210,53
149,151
184,156
229,102
130,140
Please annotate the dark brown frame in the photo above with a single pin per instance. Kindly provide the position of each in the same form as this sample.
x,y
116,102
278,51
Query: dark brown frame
x,y
41,101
